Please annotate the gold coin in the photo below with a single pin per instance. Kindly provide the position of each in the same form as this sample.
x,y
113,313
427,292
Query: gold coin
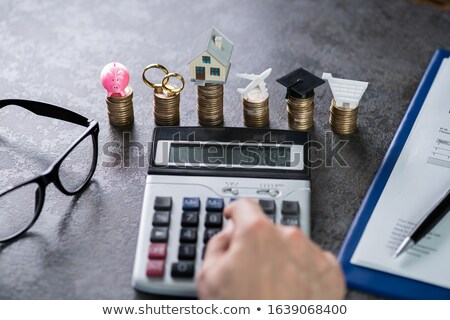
x,y
166,106
120,109
256,109
343,120
210,104
300,113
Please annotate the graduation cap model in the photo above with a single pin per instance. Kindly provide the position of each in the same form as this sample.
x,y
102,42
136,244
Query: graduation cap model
x,y
210,58
346,93
300,83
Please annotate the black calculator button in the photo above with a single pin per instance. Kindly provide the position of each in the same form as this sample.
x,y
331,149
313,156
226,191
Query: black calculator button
x,y
213,220
214,204
161,218
163,203
189,219
183,269
290,221
159,235
209,233
186,252
290,208
268,206
191,204
188,235
272,218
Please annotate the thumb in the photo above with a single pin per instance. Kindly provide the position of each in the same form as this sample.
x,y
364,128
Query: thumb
x,y
219,244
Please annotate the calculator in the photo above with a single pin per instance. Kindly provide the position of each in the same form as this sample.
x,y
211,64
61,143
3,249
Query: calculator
x,y
194,173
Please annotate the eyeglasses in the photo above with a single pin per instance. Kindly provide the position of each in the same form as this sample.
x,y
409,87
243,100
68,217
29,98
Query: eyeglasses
x,y
21,205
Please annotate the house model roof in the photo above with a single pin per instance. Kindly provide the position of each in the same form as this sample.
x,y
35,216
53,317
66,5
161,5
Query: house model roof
x,y
206,43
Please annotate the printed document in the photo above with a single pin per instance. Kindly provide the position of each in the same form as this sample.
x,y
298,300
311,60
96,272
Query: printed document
x,y
420,177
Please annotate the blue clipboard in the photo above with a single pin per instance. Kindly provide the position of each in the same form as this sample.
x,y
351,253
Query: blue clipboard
x,y
374,281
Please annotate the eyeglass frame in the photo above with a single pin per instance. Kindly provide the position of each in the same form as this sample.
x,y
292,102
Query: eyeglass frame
x,y
51,174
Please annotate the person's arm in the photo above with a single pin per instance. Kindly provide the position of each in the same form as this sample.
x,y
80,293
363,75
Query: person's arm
x,y
254,259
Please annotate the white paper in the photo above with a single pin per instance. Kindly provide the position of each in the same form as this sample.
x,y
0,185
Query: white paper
x,y
420,176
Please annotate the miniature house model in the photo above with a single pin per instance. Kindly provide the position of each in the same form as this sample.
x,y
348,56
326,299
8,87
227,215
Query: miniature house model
x,y
210,58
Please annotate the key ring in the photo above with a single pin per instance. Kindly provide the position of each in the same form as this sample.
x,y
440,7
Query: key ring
x,y
165,81
157,66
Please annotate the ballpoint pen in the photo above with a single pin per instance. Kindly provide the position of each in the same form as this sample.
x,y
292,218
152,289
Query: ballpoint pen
x,y
432,218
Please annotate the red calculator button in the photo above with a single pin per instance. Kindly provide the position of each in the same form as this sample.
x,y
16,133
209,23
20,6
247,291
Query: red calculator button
x,y
157,250
155,268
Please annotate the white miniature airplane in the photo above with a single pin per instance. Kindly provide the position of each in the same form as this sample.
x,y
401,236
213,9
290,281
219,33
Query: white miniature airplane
x,y
256,80
346,93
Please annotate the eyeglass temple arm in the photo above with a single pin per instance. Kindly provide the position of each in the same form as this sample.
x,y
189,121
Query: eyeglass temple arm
x,y
47,110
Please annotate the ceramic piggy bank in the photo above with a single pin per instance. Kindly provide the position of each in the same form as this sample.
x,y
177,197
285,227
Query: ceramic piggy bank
x,y
115,78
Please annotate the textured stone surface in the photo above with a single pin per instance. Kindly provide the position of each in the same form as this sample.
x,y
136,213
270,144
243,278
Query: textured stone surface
x,y
83,247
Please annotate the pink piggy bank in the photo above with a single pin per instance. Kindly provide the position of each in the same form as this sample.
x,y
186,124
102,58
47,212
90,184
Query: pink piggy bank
x,y
115,78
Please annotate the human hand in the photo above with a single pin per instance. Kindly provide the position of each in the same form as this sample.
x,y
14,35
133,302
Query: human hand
x,y
254,259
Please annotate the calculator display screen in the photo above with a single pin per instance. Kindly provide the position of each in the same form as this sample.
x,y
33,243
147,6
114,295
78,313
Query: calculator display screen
x,y
231,154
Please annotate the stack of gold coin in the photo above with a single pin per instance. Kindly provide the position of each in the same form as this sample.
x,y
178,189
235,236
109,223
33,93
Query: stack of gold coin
x,y
300,113
210,104
343,120
256,109
166,107
120,109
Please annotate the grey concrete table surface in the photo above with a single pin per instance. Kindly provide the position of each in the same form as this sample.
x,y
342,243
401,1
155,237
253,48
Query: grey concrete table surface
x,y
83,247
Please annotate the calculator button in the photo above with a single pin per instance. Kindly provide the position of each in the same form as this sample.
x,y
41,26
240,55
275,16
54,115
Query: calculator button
x,y
209,233
290,221
163,203
191,204
188,235
272,218
214,204
290,208
161,218
159,235
183,269
157,250
213,220
155,268
187,252
189,219
268,206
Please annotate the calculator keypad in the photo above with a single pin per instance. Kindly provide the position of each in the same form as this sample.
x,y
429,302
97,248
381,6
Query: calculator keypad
x,y
163,203
290,208
157,251
159,235
183,269
155,268
187,252
191,204
213,220
161,219
189,219
268,206
188,235
214,204
211,216
209,233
